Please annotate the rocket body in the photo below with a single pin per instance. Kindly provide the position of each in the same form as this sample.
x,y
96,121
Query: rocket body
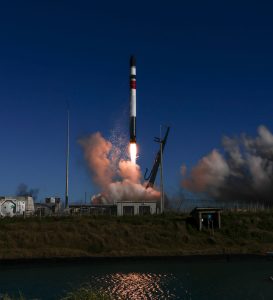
x,y
132,100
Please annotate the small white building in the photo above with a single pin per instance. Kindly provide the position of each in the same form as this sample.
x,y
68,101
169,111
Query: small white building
x,y
16,206
129,208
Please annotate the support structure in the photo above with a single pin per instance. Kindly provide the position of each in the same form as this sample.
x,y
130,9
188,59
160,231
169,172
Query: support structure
x,y
161,174
152,176
158,163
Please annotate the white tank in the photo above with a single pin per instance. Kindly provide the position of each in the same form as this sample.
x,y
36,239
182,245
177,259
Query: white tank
x,y
16,206
8,208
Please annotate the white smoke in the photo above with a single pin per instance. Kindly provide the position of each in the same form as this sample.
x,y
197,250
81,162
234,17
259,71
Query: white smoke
x,y
127,190
243,172
118,178
96,153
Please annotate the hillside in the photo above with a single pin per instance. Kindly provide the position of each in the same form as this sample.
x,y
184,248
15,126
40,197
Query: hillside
x,y
168,235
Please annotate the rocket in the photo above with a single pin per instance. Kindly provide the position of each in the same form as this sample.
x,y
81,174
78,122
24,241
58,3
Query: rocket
x,y
132,99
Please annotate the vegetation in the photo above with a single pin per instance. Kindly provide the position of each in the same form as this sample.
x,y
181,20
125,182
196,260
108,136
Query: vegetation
x,y
167,235
7,297
85,293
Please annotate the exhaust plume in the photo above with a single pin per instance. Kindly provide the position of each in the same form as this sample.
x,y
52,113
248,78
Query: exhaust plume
x,y
112,170
96,153
244,172
129,171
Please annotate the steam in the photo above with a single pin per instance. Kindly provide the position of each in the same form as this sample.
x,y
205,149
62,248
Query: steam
x,y
118,177
243,172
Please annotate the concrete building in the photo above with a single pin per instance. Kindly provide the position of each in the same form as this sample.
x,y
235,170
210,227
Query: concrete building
x,y
129,208
43,210
54,203
52,206
16,206
106,209
101,205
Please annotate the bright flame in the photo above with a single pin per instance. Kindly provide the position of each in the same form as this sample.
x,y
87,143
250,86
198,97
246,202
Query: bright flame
x,y
133,152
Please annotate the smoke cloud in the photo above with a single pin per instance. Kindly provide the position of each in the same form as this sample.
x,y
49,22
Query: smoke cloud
x,y
23,190
96,153
244,172
111,170
129,171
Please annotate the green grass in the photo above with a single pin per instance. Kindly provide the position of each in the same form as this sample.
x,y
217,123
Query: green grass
x,y
133,236
8,297
85,293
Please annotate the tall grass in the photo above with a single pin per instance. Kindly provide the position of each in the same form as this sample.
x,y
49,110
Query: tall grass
x,y
8,297
85,293
132,236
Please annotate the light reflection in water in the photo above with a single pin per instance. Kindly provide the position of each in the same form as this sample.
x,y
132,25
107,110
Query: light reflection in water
x,y
137,286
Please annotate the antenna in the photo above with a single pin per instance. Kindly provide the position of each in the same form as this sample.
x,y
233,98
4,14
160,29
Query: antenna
x,y
67,161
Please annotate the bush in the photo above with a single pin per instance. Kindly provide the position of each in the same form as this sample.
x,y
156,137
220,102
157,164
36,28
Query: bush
x,y
7,297
85,293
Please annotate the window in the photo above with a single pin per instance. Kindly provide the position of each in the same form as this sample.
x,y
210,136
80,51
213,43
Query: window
x,y
128,210
144,210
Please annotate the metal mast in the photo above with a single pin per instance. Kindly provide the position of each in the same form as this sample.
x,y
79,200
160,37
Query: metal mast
x,y
157,162
161,172
67,162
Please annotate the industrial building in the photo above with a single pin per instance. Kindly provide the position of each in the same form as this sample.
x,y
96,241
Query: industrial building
x,y
120,208
101,205
54,203
16,206
130,208
51,206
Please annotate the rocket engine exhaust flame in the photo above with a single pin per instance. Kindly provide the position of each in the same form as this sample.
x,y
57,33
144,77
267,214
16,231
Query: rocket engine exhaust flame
x,y
133,152
119,178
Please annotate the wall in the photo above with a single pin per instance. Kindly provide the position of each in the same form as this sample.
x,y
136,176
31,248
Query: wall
x,y
136,206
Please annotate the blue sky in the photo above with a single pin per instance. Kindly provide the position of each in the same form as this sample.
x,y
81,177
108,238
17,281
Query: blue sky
x,y
205,68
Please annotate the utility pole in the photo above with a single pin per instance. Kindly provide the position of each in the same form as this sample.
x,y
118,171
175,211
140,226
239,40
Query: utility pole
x,y
40,212
161,142
67,162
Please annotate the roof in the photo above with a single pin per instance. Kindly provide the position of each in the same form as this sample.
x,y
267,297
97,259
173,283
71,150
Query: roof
x,y
138,202
206,209
90,205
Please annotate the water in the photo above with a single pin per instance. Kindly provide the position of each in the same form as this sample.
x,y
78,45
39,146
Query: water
x,y
144,279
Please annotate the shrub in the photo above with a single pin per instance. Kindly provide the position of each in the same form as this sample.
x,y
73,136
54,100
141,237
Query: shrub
x,y
85,293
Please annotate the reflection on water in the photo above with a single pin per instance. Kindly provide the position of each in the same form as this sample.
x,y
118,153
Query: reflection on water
x,y
142,279
137,286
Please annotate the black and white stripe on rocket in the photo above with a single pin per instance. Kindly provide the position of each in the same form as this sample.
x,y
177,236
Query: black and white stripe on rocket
x,y
132,99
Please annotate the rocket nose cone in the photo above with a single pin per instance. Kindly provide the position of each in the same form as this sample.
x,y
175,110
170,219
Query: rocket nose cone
x,y
132,61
